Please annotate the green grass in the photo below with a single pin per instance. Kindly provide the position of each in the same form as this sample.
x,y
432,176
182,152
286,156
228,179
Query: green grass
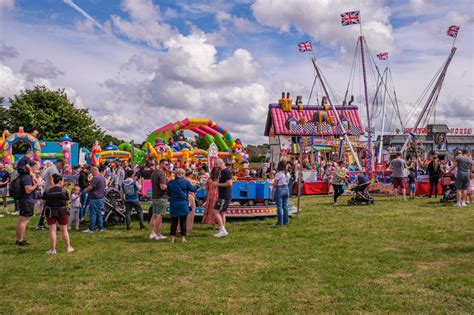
x,y
389,257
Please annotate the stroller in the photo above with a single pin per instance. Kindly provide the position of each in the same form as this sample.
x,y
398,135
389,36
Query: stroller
x,y
114,212
361,195
449,189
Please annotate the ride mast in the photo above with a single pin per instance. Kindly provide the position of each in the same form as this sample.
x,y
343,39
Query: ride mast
x,y
432,98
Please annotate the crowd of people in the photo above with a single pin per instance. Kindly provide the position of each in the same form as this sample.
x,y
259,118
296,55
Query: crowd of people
x,y
41,189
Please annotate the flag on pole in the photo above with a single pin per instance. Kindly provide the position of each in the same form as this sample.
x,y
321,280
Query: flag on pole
x,y
349,18
305,46
383,55
453,31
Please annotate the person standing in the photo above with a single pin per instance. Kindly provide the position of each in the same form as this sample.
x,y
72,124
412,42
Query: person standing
x,y
434,172
224,196
159,197
281,193
339,175
398,166
192,201
4,181
26,202
119,175
76,207
83,182
178,192
96,191
130,189
463,164
211,197
56,212
48,183
412,183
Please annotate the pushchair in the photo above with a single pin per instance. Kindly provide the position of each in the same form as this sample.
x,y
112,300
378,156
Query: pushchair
x,y
361,195
449,189
114,212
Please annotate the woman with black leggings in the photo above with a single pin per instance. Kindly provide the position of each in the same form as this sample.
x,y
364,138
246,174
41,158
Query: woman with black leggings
x,y
434,172
338,180
178,190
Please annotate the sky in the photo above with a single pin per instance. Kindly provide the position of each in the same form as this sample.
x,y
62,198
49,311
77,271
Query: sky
x,y
140,64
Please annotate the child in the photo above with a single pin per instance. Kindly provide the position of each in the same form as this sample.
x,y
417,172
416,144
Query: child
x,y
75,207
411,184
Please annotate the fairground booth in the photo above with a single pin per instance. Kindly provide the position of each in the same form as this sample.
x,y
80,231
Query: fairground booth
x,y
313,131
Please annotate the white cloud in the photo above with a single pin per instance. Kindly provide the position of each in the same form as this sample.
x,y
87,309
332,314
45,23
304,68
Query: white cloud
x,y
40,69
192,60
321,20
417,5
7,51
10,83
145,24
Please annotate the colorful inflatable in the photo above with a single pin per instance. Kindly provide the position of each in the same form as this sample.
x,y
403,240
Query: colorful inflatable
x,y
20,136
203,127
66,145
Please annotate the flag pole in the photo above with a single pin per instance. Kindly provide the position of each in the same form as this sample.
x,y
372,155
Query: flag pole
x,y
379,157
366,96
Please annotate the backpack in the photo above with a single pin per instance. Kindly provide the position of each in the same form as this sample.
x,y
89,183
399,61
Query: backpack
x,y
130,189
16,190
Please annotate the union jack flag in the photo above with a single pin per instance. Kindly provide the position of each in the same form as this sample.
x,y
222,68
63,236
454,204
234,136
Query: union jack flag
x,y
453,31
383,56
349,18
305,46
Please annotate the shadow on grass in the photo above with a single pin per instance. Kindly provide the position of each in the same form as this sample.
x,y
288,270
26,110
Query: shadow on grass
x,y
458,250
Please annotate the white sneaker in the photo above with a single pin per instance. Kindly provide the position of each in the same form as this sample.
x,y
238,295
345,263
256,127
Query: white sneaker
x,y
160,237
69,228
70,249
221,234
152,236
15,213
1,215
88,231
102,230
457,204
51,252
463,204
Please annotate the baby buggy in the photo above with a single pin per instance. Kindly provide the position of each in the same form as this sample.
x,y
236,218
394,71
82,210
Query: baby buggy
x,y
114,212
449,189
361,195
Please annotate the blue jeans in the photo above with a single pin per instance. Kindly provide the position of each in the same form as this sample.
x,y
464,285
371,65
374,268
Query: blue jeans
x,y
84,203
95,209
281,199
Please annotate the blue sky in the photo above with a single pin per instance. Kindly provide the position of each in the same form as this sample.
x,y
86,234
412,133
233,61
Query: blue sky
x,y
138,64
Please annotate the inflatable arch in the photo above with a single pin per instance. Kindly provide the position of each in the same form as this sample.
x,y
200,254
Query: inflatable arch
x,y
20,136
203,127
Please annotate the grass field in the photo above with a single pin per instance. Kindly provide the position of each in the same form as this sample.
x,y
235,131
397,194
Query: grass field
x,y
389,257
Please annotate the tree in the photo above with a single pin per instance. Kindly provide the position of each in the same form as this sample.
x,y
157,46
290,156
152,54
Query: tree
x,y
200,143
53,115
3,113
